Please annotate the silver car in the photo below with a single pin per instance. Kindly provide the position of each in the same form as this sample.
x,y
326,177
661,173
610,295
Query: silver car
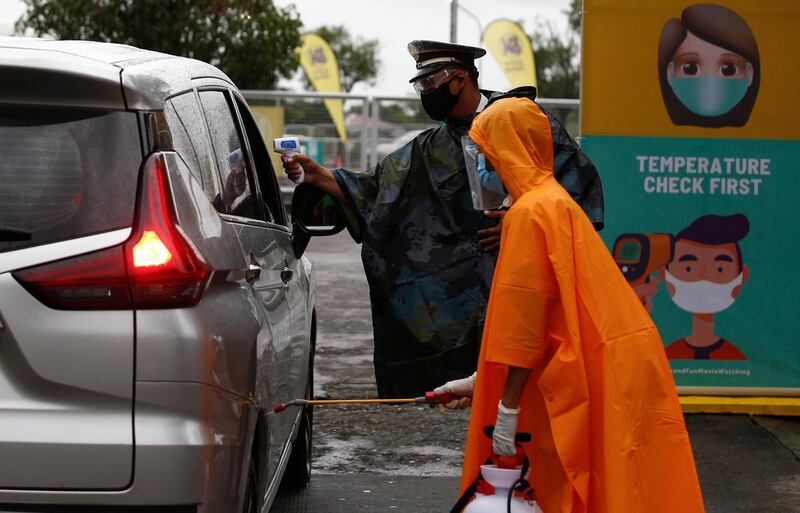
x,y
154,303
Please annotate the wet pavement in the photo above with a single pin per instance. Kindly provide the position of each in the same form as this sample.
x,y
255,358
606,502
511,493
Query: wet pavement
x,y
407,458
392,440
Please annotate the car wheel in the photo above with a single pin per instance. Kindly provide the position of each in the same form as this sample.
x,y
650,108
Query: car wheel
x,y
298,469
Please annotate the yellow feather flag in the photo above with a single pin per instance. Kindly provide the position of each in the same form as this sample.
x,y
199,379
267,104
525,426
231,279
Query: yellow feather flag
x,y
322,70
511,48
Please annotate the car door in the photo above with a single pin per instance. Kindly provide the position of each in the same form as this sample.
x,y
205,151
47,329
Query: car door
x,y
295,276
264,246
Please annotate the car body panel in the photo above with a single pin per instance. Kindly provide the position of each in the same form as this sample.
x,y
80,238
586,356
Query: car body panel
x,y
148,83
89,74
66,394
188,441
83,82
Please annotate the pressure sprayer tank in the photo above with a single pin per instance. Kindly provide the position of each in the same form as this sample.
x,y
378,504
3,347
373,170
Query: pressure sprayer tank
x,y
501,479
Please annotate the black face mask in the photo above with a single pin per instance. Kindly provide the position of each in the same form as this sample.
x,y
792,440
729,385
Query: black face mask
x,y
439,102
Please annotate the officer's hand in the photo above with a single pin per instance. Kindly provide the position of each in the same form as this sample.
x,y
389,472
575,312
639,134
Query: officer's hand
x,y
489,238
460,387
291,166
505,431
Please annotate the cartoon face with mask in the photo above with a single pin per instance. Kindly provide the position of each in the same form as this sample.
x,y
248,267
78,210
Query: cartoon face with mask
x,y
709,67
704,277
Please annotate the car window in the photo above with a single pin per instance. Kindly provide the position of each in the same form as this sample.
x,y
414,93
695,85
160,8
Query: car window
x,y
65,173
190,141
270,191
238,191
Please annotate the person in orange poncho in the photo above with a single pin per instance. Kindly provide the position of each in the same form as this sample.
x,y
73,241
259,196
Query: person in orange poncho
x,y
569,353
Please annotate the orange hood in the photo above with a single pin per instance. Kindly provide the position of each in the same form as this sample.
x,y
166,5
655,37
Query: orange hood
x,y
517,143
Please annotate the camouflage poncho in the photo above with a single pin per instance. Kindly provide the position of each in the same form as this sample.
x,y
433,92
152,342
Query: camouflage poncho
x,y
428,276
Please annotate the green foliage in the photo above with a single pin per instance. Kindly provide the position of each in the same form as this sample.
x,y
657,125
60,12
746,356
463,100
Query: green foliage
x,y
403,113
253,41
574,15
557,57
557,68
305,112
357,58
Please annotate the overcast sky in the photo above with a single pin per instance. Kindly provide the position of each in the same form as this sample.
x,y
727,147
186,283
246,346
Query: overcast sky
x,y
396,22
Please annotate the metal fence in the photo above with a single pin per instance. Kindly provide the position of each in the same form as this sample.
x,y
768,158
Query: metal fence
x,y
375,125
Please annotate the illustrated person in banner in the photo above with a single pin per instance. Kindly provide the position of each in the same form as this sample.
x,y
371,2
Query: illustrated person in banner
x,y
428,254
704,277
703,270
708,67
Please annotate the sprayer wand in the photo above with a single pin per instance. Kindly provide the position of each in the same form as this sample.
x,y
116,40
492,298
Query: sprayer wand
x,y
429,398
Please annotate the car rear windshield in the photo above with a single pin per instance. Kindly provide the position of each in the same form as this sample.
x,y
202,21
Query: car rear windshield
x,y
65,173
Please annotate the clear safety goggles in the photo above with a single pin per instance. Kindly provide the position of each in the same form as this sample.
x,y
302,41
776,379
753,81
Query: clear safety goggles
x,y
434,80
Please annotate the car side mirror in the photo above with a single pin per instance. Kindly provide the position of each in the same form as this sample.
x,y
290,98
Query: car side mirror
x,y
315,213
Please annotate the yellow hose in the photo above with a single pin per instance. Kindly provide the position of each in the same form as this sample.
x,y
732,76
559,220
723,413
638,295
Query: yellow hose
x,y
360,401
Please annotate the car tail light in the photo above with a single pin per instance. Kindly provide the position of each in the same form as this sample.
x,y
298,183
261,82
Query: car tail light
x,y
150,251
92,281
164,270
155,268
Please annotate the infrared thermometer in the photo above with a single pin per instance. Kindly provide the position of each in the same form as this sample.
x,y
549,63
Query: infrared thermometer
x,y
639,254
289,147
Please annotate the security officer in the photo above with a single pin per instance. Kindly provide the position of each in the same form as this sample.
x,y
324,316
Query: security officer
x,y
428,255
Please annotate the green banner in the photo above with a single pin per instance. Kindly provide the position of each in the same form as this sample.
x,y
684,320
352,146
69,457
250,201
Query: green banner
x,y
729,208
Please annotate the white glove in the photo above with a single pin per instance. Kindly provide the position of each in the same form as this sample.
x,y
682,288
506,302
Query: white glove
x,y
505,431
460,387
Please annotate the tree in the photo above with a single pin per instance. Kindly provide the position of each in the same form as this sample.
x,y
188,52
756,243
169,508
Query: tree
x,y
557,69
574,15
357,58
252,41
557,57
404,113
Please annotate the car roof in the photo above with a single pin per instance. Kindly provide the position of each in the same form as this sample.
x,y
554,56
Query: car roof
x,y
89,73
